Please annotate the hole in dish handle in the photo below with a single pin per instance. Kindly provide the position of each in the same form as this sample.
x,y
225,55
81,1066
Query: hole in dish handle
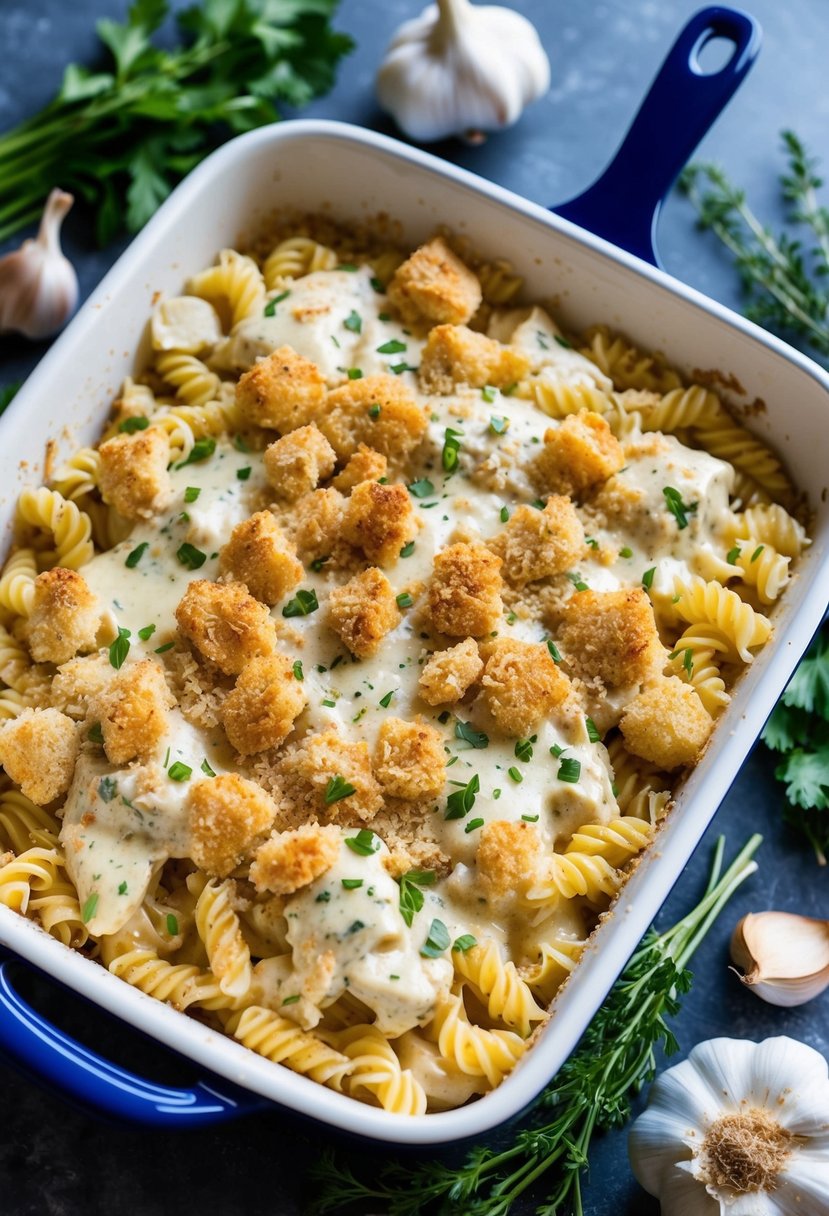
x,y
66,1065
684,100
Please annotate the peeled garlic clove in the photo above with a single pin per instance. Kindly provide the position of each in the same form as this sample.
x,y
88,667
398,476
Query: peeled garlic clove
x,y
462,69
784,957
38,284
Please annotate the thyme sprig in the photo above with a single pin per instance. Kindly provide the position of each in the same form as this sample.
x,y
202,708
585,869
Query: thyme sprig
x,y
784,276
591,1093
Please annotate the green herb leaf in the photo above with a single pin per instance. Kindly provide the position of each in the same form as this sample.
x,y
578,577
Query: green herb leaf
x,y
354,373
338,788
132,559
201,450
422,488
592,730
411,897
351,884
365,842
516,774
297,669
647,578
475,738
578,582
107,789
465,942
679,509
206,769
119,648
136,423
437,941
461,801
408,549
569,770
626,552
555,653
190,556
146,632
179,771
302,604
122,888
524,750
404,600
163,649
270,308
244,474
393,347
451,448
473,825
353,322
733,554
291,1000
172,924
88,910
94,734
504,513
489,394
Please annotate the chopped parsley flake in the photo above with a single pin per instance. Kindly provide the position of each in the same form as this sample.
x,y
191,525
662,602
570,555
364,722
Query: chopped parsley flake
x,y
190,556
291,1000
318,562
504,514
353,322
422,488
354,373
473,825
461,802
163,649
122,888
555,654
733,554
94,733
476,738
107,789
303,604
386,700
131,425
516,774
338,788
393,347
297,670
489,394
404,600
677,508
324,897
206,769
408,549
647,578
270,308
569,770
179,771
626,552
88,910
146,633
411,897
201,450
351,884
556,751
464,943
437,941
374,410
172,924
132,559
119,648
578,582
756,553
244,474
365,842
451,448
592,730
524,749
530,818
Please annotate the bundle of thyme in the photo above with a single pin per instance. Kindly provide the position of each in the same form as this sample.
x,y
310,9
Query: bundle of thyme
x,y
591,1093
784,276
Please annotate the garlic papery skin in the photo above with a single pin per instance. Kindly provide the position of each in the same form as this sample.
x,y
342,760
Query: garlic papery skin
x,y
784,957
38,284
737,1129
461,69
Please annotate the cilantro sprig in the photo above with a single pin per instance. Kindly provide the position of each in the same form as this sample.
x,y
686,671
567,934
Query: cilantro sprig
x,y
123,133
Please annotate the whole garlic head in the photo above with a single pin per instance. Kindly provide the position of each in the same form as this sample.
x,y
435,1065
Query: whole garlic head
x,y
737,1129
461,69
38,284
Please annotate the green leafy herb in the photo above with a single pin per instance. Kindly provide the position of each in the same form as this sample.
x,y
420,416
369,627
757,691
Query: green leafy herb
x,y
404,600
88,910
107,789
163,649
451,448
206,769
799,730
399,368
119,648
146,632
374,411
393,347
516,774
297,670
688,661
244,474
465,942
354,373
437,941
365,842
136,423
592,730
385,701
179,771
411,897
378,286
190,556
353,321
524,750
647,578
318,562
504,513
324,897
270,308
460,802
530,818
303,604
578,582
626,552
422,488
569,770
489,394
408,549
784,277
556,750
201,450
679,509
756,553
172,924
475,738
351,884
132,559
473,825
555,654
338,788
123,133
122,888
291,1000
590,1094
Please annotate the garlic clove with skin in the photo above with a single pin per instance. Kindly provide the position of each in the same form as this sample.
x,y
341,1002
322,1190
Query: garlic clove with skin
x,y
784,957
462,69
38,284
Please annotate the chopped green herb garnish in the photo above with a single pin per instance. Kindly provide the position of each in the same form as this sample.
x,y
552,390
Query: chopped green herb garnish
x,y
206,769
489,394
591,541
291,1000
688,661
516,774
756,553
201,450
374,411
354,373
557,751
324,897
466,731
351,884
542,339
464,943
592,730
107,789
733,554
647,578
303,604
192,493
422,488
244,474
460,802
318,562
132,559
404,600
239,443
437,941
338,788
163,649
411,897
393,347
524,750
677,507
555,654
329,704
88,910
408,549
504,514
297,670
399,368
136,423
377,284
179,771
530,818
119,649
94,733
172,924
270,307
578,582
626,552
563,342
190,556
146,633
569,770
386,700
365,842
451,448
122,888
473,825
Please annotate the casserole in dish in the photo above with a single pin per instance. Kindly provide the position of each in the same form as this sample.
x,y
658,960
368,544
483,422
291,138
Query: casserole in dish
x,y
591,282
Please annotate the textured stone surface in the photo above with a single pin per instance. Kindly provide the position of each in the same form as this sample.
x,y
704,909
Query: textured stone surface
x,y
56,1162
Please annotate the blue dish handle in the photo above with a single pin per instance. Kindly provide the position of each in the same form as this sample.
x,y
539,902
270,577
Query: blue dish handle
x,y
623,205
64,1063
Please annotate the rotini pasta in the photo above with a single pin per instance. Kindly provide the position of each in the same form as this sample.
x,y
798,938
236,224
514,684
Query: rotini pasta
x,y
507,998
489,1054
79,475
193,381
694,658
17,582
234,286
709,603
772,525
69,527
227,951
375,1071
626,366
297,256
283,1042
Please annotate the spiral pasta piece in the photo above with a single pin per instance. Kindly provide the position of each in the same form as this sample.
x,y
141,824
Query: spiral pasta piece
x,y
234,286
694,659
702,603
672,411
558,398
762,567
283,1042
23,823
192,379
297,256
748,455
79,475
557,959
179,984
218,927
626,366
108,527
375,1071
17,582
15,662
616,841
506,996
58,911
34,870
499,282
572,874
70,527
477,1052
772,525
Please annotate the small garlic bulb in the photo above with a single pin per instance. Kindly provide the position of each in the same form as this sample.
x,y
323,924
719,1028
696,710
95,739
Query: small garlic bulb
x,y
784,957
458,69
38,284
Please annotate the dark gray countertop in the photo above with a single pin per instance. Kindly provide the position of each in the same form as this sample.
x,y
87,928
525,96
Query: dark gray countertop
x,y
58,1162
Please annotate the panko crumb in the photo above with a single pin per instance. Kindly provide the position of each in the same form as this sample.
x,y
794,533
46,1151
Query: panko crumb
x,y
375,411
578,455
465,591
509,859
409,760
228,815
455,355
296,463
307,780
133,711
667,723
77,684
365,465
64,618
379,520
362,611
261,710
38,750
611,636
225,623
259,555
133,477
448,675
291,860
281,392
521,684
433,284
536,544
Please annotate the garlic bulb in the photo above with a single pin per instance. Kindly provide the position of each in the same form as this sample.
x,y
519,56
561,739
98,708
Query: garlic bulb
x,y
38,284
458,69
785,957
737,1129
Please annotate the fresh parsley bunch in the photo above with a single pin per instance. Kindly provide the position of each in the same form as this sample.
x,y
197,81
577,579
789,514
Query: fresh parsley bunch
x,y
785,277
799,729
124,135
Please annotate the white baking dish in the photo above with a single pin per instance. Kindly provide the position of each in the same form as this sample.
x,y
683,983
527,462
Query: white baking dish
x,y
356,174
